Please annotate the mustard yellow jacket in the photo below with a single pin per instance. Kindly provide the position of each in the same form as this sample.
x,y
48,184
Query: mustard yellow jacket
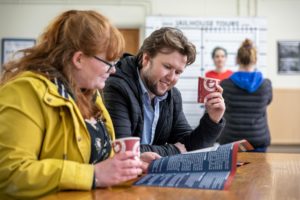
x,y
44,142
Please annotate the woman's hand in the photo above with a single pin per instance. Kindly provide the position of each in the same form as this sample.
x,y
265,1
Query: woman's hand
x,y
122,167
215,105
147,158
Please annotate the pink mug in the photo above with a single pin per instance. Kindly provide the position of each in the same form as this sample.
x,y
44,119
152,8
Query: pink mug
x,y
127,144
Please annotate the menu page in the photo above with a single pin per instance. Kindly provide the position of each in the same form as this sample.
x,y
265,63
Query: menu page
x,y
205,170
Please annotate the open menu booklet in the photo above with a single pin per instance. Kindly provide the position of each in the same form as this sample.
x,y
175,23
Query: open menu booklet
x,y
211,168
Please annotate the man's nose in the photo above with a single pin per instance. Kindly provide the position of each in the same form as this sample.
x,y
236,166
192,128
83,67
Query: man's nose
x,y
171,75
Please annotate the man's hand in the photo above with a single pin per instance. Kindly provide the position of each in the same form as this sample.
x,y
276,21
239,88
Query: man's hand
x,y
147,158
215,105
181,147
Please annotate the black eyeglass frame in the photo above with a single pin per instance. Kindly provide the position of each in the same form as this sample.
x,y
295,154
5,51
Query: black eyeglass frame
x,y
105,62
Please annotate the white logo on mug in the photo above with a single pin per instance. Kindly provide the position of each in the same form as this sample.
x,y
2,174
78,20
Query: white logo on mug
x,y
210,85
119,146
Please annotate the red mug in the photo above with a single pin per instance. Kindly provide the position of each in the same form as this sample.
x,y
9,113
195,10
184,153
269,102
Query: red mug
x,y
206,86
127,144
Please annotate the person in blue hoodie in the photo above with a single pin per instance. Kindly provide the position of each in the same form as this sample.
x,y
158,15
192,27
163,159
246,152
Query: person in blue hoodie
x,y
247,94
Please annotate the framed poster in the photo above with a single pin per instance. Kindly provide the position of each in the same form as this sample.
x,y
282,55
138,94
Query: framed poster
x,y
288,57
10,46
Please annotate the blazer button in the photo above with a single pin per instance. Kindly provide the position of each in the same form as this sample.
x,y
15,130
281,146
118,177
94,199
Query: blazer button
x,y
49,99
79,139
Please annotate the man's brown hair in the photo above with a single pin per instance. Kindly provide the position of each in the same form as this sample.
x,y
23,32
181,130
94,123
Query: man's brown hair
x,y
167,40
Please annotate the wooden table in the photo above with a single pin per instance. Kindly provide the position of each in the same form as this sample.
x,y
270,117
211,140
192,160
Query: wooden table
x,y
268,176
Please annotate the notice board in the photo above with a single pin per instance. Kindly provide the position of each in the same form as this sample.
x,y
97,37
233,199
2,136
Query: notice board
x,y
206,34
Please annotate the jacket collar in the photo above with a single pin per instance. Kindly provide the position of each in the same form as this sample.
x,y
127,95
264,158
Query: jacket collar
x,y
128,65
52,96
52,89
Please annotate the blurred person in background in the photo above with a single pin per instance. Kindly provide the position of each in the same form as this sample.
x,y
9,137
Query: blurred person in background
x,y
219,56
247,94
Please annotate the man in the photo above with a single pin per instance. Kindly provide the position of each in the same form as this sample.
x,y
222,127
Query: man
x,y
143,101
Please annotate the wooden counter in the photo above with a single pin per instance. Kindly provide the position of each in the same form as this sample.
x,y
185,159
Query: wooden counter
x,y
268,176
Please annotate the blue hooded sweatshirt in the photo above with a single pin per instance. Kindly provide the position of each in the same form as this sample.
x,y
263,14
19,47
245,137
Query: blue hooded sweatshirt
x,y
249,81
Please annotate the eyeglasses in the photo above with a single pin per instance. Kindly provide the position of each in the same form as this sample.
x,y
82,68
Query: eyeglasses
x,y
106,62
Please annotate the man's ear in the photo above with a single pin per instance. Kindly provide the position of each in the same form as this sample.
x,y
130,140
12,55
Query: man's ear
x,y
146,59
77,58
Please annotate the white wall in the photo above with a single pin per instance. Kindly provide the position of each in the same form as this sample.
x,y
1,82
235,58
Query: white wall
x,y
283,24
27,18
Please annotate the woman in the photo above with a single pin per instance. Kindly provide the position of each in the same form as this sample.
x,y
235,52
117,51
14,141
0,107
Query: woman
x,y
219,56
55,131
247,95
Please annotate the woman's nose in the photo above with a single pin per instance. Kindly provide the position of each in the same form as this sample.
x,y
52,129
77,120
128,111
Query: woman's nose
x,y
112,70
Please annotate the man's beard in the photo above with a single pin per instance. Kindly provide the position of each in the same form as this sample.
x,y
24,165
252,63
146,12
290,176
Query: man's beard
x,y
150,84
152,87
